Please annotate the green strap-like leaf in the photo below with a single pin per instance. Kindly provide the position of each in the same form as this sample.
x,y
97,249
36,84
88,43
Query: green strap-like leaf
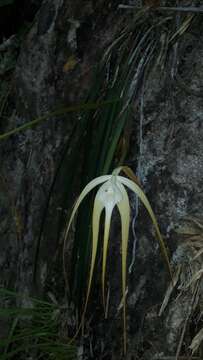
x,y
56,113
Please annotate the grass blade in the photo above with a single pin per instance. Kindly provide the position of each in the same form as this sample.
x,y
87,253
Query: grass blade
x,y
56,113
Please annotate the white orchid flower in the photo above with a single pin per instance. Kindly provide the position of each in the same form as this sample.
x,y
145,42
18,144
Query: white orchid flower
x,y
112,193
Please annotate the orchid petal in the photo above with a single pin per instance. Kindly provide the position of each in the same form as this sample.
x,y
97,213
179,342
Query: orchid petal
x,y
124,210
89,187
138,191
108,214
97,210
109,194
83,194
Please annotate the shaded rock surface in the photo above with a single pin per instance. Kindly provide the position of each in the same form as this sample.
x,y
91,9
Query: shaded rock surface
x,y
170,158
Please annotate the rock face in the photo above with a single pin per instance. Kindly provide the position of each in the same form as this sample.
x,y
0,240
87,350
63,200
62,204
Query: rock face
x,y
170,159
172,171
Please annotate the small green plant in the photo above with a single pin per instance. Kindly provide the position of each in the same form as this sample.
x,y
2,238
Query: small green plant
x,y
35,329
112,193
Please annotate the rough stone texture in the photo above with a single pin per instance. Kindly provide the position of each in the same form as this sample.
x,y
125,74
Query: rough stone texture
x,y
171,164
60,30
172,172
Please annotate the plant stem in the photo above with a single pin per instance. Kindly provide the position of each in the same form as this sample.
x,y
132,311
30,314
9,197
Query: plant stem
x,y
187,9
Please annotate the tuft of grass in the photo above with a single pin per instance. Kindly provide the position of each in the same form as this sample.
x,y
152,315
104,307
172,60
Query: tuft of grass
x,y
35,329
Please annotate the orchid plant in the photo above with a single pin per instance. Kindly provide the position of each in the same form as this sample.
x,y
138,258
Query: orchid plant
x,y
112,193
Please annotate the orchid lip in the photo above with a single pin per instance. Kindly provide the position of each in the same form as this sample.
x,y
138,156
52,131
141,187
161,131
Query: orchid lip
x,y
110,192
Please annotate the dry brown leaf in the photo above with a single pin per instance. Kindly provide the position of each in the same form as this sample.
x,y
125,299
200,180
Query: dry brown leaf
x,y
196,342
196,277
70,64
170,290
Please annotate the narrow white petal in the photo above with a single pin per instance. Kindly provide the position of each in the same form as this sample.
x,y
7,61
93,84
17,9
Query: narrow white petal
x,y
88,188
108,214
83,194
138,191
124,210
97,210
